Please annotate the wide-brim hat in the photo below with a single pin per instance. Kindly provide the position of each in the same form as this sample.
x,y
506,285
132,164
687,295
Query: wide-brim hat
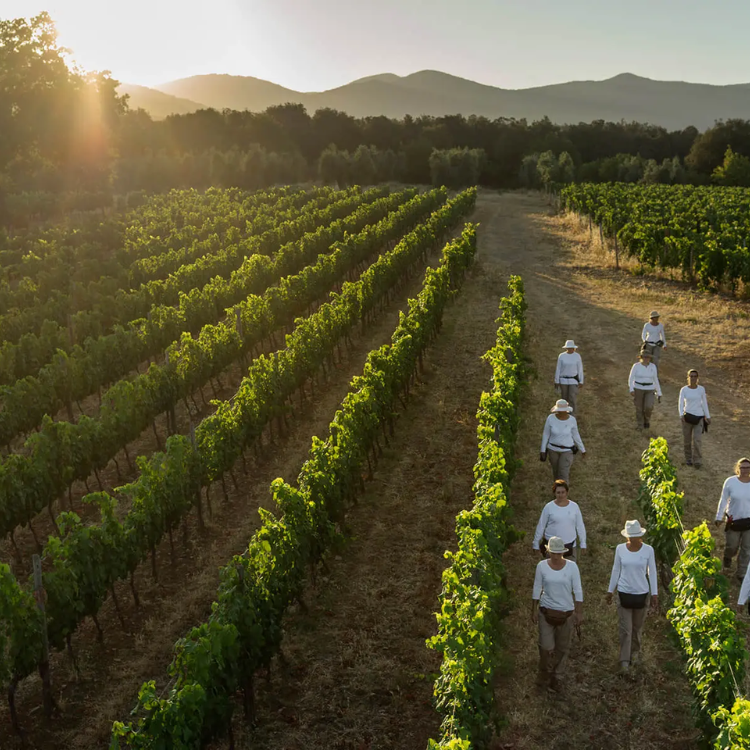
x,y
633,529
654,314
570,344
645,353
556,545
561,405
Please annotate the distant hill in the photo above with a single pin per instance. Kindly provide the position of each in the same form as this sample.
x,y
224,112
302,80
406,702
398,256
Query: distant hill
x,y
673,104
158,104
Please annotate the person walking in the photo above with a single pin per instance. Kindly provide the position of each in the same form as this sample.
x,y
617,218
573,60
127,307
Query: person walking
x,y
634,576
693,409
560,440
569,373
734,505
643,382
560,517
654,338
558,598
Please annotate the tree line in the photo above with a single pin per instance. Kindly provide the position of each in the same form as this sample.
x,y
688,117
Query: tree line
x,y
69,141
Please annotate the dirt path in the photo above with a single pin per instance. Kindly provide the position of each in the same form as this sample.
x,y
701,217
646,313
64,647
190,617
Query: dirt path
x,y
358,674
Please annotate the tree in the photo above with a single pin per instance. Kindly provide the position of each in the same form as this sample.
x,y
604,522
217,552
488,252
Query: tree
x,y
735,170
52,116
548,168
709,148
333,166
567,167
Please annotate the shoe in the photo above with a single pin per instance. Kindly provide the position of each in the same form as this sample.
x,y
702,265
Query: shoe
x,y
554,685
542,679
624,667
697,466
647,424
688,463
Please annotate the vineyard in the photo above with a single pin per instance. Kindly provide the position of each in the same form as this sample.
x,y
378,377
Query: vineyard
x,y
703,231
191,287
269,467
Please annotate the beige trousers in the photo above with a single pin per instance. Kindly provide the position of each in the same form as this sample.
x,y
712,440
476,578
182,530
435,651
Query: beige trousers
x,y
644,405
737,540
655,353
569,391
630,625
561,461
554,645
691,437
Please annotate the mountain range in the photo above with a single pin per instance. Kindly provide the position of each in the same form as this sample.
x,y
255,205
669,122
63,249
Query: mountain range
x,y
672,104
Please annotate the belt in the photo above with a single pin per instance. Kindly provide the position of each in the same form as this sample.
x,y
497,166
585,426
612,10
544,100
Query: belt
x,y
564,447
648,384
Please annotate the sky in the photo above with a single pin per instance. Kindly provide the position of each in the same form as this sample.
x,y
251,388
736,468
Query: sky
x,y
313,45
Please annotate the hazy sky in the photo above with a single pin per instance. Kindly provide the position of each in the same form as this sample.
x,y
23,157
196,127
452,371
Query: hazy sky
x,y
311,45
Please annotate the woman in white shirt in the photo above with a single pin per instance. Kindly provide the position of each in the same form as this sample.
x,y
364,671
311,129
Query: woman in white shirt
x,y
569,373
643,383
734,504
634,576
693,409
654,338
558,597
561,440
560,517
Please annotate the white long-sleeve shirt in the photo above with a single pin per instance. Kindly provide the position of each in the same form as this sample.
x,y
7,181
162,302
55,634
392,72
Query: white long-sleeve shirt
x,y
745,589
644,378
652,334
734,500
634,572
561,434
557,589
564,521
569,367
693,401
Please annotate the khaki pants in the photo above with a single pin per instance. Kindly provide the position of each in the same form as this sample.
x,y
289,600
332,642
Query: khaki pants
x,y
691,436
737,540
655,353
569,391
554,645
644,405
630,622
561,461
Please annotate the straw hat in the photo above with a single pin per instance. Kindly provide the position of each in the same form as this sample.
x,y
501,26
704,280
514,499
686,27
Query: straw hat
x,y
556,545
654,314
645,353
633,529
561,405
570,344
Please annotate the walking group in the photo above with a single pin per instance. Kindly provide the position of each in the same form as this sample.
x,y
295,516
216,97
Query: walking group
x,y
560,536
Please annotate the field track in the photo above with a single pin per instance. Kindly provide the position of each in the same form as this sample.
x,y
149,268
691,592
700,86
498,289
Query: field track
x,y
357,674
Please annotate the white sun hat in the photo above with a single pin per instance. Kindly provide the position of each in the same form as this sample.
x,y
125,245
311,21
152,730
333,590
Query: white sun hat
x,y
556,545
654,314
561,405
570,344
633,529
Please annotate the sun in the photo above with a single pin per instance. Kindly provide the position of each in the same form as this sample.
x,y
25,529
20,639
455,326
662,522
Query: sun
x,y
146,41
